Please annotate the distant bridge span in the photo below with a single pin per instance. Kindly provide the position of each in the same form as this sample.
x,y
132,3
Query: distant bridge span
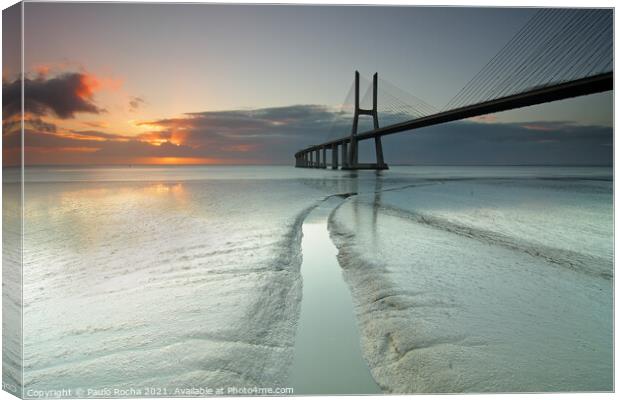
x,y
315,156
559,54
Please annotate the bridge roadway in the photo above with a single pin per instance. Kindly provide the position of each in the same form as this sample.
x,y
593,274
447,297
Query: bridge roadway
x,y
561,91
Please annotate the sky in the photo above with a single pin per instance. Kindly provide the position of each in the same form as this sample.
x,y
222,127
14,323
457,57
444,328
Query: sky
x,y
251,84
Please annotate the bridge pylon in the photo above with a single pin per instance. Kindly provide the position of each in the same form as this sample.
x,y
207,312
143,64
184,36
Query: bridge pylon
x,y
353,153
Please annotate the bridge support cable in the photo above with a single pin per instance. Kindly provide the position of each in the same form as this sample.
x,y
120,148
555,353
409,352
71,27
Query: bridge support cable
x,y
554,46
341,116
396,105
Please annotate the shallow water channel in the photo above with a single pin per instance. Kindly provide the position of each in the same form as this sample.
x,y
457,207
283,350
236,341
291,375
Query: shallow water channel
x,y
328,358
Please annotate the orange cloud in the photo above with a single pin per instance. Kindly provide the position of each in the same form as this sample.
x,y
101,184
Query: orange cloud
x,y
223,137
183,160
96,124
154,138
93,136
542,128
42,70
62,95
173,124
48,68
178,138
89,84
48,150
241,148
484,118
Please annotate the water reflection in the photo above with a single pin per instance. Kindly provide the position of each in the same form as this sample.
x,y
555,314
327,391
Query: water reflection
x,y
328,357
366,188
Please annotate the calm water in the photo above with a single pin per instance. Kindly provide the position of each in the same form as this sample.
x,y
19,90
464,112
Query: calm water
x,y
460,278
328,358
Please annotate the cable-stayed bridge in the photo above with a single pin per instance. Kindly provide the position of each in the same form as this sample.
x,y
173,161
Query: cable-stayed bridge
x,y
558,54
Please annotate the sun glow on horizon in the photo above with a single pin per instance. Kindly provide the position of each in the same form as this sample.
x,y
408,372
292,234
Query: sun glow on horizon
x,y
184,161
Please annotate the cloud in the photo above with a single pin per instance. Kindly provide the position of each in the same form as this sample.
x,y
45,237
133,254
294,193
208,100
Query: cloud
x,y
267,133
42,70
96,124
62,96
279,121
135,103
14,123
272,135
96,136
238,136
484,118
40,125
537,142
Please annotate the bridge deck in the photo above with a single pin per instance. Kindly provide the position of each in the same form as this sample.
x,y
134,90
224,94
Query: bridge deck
x,y
581,87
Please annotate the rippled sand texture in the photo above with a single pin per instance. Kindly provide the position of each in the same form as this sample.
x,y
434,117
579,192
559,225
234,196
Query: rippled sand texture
x,y
184,284
483,285
464,279
11,285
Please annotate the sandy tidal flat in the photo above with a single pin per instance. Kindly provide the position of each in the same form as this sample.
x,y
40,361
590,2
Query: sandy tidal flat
x,y
483,286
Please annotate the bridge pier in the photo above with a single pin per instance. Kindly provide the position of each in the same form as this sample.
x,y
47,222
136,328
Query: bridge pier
x,y
345,153
353,155
324,164
334,156
379,153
